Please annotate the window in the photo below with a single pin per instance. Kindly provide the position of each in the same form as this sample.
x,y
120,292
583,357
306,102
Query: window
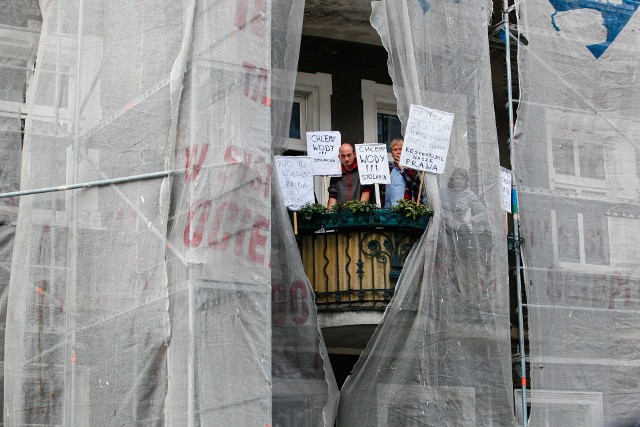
x,y
389,127
58,84
311,109
298,126
379,107
556,407
624,237
577,155
580,239
294,126
576,158
380,116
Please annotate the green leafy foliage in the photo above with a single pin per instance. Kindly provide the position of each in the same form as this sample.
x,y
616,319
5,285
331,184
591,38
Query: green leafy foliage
x,y
411,209
355,207
312,210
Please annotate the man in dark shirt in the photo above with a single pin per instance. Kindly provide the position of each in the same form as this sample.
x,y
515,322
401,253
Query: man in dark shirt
x,y
347,187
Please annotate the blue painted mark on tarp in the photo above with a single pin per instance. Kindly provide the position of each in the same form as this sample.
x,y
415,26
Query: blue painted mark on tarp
x,y
424,5
614,17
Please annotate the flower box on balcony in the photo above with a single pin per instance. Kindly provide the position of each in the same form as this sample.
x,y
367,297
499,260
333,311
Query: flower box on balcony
x,y
387,218
343,219
337,220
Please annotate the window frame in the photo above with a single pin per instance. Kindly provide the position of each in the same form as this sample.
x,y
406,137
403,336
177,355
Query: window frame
x,y
583,186
316,90
590,401
582,265
376,98
623,230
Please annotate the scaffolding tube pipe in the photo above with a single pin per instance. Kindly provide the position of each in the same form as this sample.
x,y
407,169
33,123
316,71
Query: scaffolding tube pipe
x,y
111,181
516,234
101,183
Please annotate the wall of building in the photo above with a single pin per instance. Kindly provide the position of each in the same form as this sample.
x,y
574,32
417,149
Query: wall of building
x,y
348,63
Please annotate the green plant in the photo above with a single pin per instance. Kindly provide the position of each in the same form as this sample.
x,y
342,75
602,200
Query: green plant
x,y
411,209
355,207
311,210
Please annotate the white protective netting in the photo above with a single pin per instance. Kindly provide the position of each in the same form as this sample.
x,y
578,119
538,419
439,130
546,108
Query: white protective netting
x,y
149,302
20,26
87,325
441,356
304,389
577,159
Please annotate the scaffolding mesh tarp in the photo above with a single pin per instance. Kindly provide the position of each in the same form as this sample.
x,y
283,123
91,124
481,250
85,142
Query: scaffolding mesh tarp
x,y
304,388
577,159
20,26
220,278
441,355
305,392
87,323
149,302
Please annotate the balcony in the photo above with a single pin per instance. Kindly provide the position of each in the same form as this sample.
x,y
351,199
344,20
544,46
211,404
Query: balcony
x,y
353,262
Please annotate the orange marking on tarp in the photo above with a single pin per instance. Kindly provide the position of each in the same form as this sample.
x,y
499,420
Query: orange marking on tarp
x,y
129,105
524,382
73,358
266,101
39,291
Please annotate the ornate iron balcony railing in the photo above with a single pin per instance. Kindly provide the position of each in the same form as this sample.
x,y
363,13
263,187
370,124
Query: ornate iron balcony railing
x,y
353,261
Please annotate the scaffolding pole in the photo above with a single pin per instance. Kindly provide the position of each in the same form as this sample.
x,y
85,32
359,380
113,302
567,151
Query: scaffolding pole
x,y
516,234
71,208
111,181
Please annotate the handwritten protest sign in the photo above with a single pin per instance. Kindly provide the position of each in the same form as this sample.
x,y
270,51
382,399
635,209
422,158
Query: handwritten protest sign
x,y
505,180
323,148
372,164
296,180
426,141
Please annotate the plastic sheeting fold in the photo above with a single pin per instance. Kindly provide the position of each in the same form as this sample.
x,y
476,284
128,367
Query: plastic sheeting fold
x,y
441,356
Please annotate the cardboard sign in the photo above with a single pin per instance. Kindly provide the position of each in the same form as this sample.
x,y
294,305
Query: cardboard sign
x,y
323,148
505,181
426,141
296,181
373,166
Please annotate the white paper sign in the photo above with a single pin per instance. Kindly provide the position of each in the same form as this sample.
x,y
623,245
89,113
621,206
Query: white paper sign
x,y
323,148
426,141
373,166
505,180
296,180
